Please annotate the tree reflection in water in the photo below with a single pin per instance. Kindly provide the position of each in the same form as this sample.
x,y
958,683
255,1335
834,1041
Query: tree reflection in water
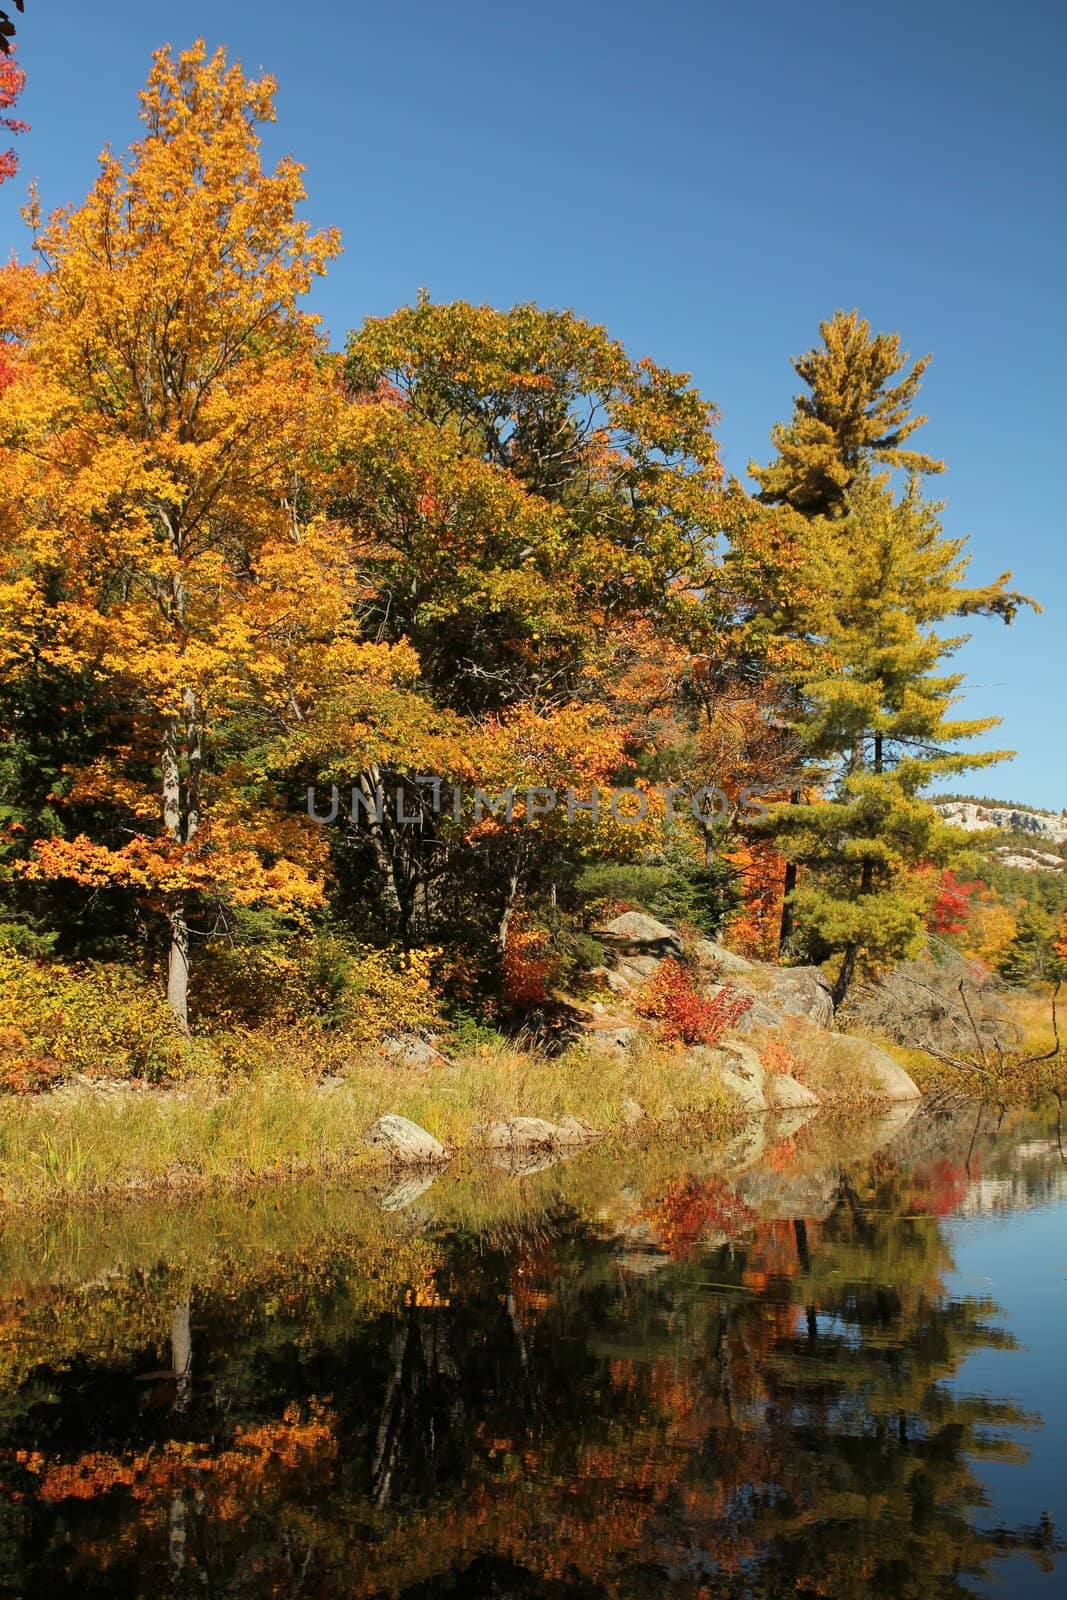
x,y
705,1390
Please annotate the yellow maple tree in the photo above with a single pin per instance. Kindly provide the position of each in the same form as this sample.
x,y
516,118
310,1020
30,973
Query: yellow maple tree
x,y
168,426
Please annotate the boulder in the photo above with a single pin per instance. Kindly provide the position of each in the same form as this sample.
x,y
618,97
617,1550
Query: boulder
x,y
801,992
406,1143
786,1093
636,968
409,1050
640,934
612,1033
576,1131
610,979
631,1113
756,1015
532,1133
712,954
891,1081
741,1072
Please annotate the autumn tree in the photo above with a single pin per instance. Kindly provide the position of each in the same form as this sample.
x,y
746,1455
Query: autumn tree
x,y
12,83
531,488
534,510
165,435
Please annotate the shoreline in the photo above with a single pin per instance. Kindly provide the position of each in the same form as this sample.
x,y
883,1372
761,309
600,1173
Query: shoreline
x,y
86,1147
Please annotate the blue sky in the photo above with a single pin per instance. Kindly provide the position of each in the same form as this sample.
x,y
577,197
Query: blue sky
x,y
707,181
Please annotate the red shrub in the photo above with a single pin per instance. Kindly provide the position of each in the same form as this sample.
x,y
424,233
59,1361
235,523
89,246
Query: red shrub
x,y
686,1014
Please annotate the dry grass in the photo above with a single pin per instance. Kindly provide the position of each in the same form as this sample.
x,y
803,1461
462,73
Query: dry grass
x,y
822,1062
85,1142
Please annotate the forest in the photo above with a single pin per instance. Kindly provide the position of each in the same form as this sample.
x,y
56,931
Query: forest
x,y
476,554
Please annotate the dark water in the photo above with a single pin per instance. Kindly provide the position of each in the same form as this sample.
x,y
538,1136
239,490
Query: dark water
x,y
817,1364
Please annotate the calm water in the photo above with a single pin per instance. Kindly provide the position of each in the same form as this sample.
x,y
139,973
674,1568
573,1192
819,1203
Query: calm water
x,y
817,1364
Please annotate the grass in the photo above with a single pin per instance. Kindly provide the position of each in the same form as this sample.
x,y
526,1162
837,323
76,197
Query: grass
x,y
823,1062
300,1102
87,1142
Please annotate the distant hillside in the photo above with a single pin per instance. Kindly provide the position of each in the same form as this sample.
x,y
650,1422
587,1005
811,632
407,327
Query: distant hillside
x,y
975,816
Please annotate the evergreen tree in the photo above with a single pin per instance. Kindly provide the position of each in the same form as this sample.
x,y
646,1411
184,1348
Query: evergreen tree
x,y
877,722
852,417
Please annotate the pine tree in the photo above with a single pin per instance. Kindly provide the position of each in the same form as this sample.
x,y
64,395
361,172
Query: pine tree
x,y
878,721
852,417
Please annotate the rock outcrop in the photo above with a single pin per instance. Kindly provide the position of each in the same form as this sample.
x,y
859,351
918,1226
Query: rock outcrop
x,y
529,1133
411,1050
741,1071
406,1143
975,817
636,934
795,998
891,1081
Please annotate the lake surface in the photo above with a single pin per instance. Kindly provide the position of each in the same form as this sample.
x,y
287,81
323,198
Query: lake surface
x,y
819,1362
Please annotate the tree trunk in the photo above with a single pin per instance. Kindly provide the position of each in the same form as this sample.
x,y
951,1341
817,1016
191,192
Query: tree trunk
x,y
370,787
789,883
178,959
846,974
178,963
511,898
852,950
180,737
785,932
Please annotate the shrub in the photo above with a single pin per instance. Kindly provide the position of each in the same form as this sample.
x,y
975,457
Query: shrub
x,y
683,1012
467,1033
388,991
325,982
529,965
243,983
100,1020
778,1057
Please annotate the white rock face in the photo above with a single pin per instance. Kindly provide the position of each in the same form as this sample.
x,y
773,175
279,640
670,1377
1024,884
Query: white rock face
x,y
1032,861
975,818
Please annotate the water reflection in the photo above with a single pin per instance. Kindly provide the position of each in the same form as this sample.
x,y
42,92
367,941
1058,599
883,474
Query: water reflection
x,y
699,1375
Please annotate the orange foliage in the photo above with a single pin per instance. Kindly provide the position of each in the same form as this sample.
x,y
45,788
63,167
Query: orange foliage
x,y
528,967
755,928
12,83
291,1444
692,1210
